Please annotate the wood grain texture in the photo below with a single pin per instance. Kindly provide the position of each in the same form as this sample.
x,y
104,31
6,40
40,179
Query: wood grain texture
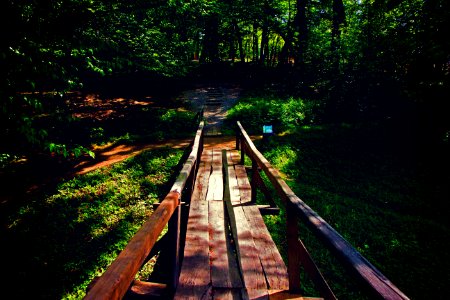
x,y
148,289
244,184
251,269
195,277
274,267
215,185
227,294
233,159
224,267
114,283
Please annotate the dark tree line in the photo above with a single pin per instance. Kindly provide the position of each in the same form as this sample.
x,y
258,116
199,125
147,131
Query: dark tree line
x,y
361,58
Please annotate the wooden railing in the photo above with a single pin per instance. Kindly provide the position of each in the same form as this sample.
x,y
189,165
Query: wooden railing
x,y
119,276
371,278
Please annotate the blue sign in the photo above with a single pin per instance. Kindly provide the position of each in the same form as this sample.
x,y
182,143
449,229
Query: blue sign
x,y
267,129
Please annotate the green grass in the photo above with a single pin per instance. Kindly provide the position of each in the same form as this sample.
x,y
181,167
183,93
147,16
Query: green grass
x,y
379,193
61,240
284,114
382,185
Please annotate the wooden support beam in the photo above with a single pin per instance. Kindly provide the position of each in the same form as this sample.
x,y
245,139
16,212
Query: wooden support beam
x,y
224,268
314,273
249,263
143,289
267,210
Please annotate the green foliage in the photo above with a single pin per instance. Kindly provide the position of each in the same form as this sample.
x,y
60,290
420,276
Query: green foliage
x,y
175,122
377,59
72,233
77,151
364,181
283,114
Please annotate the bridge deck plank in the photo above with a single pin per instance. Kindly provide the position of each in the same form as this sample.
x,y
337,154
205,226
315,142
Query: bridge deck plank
x,y
224,268
215,186
194,281
215,266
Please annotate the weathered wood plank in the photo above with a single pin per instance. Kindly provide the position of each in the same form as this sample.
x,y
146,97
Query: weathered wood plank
x,y
274,267
286,295
203,174
195,293
251,269
235,194
254,294
244,184
215,186
224,268
195,277
226,294
148,289
233,157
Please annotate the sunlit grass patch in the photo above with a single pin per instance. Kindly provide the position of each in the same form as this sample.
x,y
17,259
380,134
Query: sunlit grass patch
x,y
284,114
75,231
375,192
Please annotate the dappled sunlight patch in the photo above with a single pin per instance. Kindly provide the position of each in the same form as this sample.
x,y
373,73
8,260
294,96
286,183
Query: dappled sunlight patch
x,y
94,106
108,154
284,158
87,220
282,114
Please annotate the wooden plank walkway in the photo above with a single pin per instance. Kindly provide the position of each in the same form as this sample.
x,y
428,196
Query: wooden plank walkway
x,y
229,253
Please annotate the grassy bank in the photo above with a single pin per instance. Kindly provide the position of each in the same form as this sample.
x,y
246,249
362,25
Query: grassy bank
x,y
59,241
379,184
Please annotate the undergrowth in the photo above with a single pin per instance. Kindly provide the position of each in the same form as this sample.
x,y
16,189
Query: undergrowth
x,y
60,241
376,183
381,200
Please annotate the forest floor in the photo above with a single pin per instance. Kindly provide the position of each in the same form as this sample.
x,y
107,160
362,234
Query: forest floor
x,y
36,173
127,133
373,184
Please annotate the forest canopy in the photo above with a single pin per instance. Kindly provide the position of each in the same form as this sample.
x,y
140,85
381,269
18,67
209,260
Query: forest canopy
x,y
360,58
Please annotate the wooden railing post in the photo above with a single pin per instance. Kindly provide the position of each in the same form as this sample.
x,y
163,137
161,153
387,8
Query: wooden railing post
x,y
253,182
238,137
242,153
293,251
174,245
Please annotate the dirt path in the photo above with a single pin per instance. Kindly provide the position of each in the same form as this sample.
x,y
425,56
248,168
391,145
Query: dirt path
x,y
116,153
215,102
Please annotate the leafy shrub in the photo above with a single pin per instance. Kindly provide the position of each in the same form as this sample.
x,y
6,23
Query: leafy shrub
x,y
283,114
174,122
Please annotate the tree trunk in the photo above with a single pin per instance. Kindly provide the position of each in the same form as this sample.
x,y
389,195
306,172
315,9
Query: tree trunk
x,y
264,39
338,21
210,51
302,28
239,40
255,42
334,108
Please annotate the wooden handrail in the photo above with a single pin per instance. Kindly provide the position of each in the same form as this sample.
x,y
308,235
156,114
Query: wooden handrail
x,y
116,280
361,268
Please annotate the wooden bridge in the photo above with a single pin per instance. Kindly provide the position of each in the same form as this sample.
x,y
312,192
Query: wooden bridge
x,y
223,250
